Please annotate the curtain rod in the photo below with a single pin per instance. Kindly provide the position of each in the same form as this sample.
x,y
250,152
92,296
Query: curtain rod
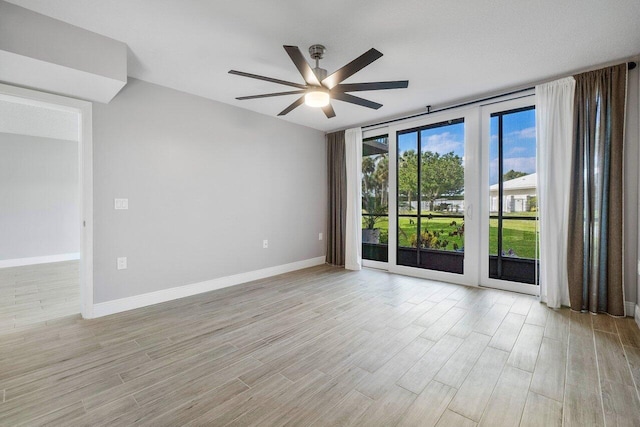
x,y
630,66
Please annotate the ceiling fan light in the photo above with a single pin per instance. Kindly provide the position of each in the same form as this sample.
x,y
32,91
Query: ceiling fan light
x,y
317,98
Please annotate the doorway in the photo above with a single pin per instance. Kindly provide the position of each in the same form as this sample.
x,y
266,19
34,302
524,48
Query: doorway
x,y
45,209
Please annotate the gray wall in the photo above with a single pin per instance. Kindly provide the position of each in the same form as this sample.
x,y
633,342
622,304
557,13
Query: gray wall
x,y
39,197
206,183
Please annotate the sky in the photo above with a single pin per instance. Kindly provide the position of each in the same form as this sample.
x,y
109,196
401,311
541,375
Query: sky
x,y
442,140
519,142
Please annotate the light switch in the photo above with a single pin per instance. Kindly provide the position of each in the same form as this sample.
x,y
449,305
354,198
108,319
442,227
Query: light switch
x,y
122,263
265,244
319,236
121,204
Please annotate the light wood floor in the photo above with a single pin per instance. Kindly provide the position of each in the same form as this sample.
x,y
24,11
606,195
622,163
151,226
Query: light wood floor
x,y
34,294
324,346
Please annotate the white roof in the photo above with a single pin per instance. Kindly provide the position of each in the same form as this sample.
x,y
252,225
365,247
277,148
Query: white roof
x,y
523,182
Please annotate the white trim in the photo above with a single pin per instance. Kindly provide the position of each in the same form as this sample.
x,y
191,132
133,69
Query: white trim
x,y
485,280
371,133
470,277
85,171
392,214
506,285
630,308
637,315
151,298
437,276
19,262
378,265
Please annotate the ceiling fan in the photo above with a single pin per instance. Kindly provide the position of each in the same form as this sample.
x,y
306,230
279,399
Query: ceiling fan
x,y
319,89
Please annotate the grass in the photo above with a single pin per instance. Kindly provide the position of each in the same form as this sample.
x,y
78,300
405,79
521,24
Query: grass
x,y
519,236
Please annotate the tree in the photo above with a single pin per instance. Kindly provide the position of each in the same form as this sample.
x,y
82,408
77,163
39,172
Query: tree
x,y
513,175
375,178
368,181
442,175
381,176
408,175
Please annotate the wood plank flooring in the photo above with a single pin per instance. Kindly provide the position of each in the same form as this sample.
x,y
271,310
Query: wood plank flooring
x,y
324,346
35,294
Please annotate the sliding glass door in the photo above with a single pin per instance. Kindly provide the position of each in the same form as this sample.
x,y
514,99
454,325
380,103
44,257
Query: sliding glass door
x,y
462,196
430,202
433,189
511,230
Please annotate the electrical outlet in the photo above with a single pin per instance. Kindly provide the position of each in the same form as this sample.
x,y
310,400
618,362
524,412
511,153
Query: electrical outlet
x,y
121,203
265,244
122,263
319,236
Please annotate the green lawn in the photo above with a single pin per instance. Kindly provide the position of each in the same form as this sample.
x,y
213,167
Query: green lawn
x,y
519,236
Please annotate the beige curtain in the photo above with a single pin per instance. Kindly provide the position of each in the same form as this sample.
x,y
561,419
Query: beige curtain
x,y
337,217
594,257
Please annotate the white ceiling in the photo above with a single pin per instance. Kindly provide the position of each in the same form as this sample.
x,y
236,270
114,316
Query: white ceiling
x,y
448,50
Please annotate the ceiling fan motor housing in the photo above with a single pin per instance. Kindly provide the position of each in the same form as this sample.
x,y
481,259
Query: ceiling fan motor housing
x,y
317,51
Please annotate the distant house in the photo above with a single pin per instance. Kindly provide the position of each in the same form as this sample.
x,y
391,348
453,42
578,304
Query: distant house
x,y
443,205
517,194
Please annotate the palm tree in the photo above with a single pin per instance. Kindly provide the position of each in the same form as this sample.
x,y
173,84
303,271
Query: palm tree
x,y
382,177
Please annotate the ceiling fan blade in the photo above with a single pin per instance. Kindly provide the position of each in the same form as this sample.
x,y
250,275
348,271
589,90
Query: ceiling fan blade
x,y
302,65
328,111
267,95
355,100
354,87
351,68
267,79
298,102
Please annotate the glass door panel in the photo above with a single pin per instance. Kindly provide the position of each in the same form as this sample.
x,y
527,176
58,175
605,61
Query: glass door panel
x,y
375,198
513,216
407,198
430,197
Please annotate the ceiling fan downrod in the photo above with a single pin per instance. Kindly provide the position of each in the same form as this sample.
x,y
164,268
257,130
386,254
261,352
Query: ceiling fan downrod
x,y
316,51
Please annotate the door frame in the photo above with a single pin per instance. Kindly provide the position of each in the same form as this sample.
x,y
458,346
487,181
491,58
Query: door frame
x,y
366,134
471,116
85,171
485,280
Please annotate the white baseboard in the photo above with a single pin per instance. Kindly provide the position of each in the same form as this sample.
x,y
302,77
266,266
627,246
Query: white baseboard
x,y
138,301
19,262
637,316
629,308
